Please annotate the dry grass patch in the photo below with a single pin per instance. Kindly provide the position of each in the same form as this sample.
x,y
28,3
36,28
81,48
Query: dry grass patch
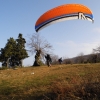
x,y
59,82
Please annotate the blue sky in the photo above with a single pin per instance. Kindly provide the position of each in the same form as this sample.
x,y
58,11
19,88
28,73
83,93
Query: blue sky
x,y
68,38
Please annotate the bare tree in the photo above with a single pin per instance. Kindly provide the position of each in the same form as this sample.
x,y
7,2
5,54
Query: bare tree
x,y
80,58
39,46
97,50
54,59
97,53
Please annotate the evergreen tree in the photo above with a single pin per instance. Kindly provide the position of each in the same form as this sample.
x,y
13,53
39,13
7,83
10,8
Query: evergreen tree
x,y
2,58
8,51
21,51
13,52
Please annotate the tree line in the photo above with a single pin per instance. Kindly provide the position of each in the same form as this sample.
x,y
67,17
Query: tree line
x,y
83,59
94,57
14,52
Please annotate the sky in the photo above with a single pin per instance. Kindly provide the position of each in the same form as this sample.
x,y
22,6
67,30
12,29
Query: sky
x,y
68,38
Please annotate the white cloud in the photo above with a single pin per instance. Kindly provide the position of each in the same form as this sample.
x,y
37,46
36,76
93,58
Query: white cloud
x,y
72,49
97,30
67,43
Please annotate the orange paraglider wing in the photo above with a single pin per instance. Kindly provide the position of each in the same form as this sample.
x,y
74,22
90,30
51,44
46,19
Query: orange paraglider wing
x,y
64,12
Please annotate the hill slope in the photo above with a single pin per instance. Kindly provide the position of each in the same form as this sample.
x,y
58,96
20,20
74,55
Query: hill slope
x,y
60,82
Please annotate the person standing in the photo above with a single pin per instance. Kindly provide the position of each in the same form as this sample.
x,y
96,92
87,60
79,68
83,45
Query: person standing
x,y
48,60
60,60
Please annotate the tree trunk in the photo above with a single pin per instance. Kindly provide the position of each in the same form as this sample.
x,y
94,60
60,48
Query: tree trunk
x,y
37,58
21,63
7,62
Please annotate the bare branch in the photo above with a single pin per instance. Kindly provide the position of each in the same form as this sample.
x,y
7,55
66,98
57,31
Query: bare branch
x,y
97,50
36,42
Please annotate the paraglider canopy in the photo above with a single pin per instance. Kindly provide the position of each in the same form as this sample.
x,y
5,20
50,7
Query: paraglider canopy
x,y
64,12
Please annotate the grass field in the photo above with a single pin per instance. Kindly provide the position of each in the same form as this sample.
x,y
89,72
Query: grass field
x,y
59,82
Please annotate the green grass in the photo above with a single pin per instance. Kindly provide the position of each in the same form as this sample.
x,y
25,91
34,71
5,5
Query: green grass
x,y
59,82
